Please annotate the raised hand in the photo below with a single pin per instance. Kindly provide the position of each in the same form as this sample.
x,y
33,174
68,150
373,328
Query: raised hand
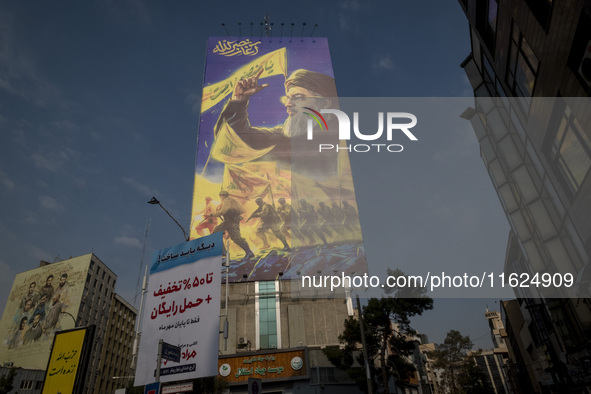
x,y
247,87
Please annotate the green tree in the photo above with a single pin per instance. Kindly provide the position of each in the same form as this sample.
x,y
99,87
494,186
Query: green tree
x,y
6,381
472,380
387,327
460,375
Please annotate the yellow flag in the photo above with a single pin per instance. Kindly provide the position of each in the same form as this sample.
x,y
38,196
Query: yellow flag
x,y
243,183
273,63
230,149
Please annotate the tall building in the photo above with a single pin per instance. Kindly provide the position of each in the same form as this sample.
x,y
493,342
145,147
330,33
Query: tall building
x,y
116,361
274,332
529,68
58,296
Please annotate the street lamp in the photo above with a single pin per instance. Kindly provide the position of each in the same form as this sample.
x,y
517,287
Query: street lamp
x,y
154,201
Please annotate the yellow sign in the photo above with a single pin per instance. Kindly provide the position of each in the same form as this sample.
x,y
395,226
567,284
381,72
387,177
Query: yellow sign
x,y
64,362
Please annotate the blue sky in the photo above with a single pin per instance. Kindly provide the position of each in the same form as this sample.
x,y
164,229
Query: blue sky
x,y
97,115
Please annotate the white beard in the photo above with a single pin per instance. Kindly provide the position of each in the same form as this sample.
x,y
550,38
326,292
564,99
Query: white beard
x,y
295,125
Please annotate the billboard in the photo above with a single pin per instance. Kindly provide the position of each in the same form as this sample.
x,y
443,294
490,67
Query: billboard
x,y
66,368
182,308
264,365
288,209
37,307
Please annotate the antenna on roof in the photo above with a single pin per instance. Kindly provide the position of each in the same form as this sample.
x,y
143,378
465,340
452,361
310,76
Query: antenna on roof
x,y
268,25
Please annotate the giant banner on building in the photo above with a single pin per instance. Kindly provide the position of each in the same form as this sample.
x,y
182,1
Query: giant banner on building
x,y
287,207
182,307
42,302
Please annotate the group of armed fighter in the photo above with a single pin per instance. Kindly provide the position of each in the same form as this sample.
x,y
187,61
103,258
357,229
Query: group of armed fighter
x,y
306,223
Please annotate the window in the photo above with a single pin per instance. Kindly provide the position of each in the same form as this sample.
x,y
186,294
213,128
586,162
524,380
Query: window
x,y
522,68
570,149
486,22
542,10
267,309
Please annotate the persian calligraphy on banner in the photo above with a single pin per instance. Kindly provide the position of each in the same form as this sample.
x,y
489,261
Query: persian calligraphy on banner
x,y
65,362
236,48
182,308
273,63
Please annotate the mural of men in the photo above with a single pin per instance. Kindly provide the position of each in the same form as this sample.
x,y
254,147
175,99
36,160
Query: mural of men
x,y
230,212
288,217
270,220
209,222
47,289
61,292
34,332
309,222
350,216
19,335
40,310
26,312
30,296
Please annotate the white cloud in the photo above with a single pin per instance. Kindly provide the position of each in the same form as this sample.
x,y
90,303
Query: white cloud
x,y
383,62
127,11
6,182
51,203
54,160
139,187
20,75
350,5
128,241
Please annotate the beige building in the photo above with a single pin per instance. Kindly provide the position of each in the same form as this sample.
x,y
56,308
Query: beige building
x,y
116,360
273,327
76,292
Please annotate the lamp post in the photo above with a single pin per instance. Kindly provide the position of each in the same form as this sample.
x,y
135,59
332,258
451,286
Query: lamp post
x,y
154,201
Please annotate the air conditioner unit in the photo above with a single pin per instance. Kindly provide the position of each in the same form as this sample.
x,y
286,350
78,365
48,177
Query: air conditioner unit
x,y
242,343
585,66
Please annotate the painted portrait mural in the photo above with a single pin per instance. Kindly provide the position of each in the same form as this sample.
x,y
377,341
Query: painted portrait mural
x,y
287,207
42,302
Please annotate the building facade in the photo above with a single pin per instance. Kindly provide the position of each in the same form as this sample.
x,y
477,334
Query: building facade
x,y
276,334
76,292
529,68
116,360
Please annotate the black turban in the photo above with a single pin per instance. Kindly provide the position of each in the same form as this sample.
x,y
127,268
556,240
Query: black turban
x,y
318,83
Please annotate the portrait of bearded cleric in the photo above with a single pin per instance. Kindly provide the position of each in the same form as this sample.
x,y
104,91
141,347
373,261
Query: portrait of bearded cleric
x,y
258,146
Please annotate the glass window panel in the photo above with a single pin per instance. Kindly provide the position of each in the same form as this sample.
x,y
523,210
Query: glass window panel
x,y
543,222
497,173
533,256
529,55
473,73
525,184
487,150
476,50
524,77
496,124
493,8
478,127
534,158
508,198
576,161
272,341
510,153
559,256
520,226
263,326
